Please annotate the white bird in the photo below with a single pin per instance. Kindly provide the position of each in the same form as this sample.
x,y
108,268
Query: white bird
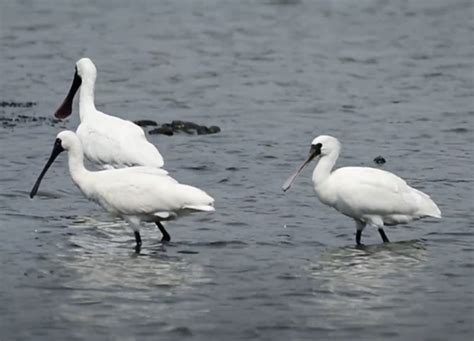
x,y
368,195
136,193
108,141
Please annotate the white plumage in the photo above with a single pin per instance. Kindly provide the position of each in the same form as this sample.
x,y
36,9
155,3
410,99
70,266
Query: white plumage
x,y
368,195
136,194
108,141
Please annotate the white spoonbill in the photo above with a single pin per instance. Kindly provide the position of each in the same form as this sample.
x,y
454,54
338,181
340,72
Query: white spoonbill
x,y
136,193
108,141
368,195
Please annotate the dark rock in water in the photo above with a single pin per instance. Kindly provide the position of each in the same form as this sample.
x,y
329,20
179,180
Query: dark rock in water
x,y
178,125
191,125
214,129
184,126
187,127
202,130
380,160
145,123
164,130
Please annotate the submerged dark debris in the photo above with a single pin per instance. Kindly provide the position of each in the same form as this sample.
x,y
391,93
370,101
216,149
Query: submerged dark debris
x,y
14,119
10,117
13,104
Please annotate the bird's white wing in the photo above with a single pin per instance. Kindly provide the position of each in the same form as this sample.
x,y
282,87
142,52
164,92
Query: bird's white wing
x,y
137,170
146,193
109,140
372,191
99,146
138,149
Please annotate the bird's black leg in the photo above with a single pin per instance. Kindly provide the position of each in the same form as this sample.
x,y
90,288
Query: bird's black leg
x,y
138,240
360,227
166,236
383,235
358,236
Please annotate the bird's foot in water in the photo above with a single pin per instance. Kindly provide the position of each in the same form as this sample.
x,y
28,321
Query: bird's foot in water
x,y
383,235
358,237
138,240
166,236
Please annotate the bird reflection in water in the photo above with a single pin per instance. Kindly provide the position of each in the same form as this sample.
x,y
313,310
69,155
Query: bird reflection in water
x,y
100,265
360,285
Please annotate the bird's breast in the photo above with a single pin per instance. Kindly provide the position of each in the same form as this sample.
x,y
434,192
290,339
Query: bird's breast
x,y
326,194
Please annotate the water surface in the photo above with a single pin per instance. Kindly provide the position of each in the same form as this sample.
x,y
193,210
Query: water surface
x,y
387,78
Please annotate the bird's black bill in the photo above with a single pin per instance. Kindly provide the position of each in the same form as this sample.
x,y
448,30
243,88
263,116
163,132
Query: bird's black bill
x,y
65,108
313,152
54,154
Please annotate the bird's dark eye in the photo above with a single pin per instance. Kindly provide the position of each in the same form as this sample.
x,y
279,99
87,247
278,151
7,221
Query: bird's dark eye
x,y
316,148
58,141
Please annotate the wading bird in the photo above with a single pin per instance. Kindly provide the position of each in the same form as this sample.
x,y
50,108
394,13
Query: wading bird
x,y
136,193
108,141
368,195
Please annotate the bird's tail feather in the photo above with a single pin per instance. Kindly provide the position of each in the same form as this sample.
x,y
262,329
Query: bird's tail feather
x,y
206,208
427,206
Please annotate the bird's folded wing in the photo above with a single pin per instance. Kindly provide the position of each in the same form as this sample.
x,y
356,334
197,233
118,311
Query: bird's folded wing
x,y
373,191
145,193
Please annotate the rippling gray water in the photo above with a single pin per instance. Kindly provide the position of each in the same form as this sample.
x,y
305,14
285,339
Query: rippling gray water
x,y
390,78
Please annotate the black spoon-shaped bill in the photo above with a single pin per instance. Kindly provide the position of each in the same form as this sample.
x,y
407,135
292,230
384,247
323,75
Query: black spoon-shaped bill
x,y
314,151
65,109
57,149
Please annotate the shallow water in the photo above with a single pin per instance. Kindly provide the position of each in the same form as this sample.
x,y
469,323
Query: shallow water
x,y
388,78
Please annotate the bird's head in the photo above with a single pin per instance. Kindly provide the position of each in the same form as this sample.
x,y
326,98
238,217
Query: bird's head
x,y
85,71
324,145
65,140
85,68
321,146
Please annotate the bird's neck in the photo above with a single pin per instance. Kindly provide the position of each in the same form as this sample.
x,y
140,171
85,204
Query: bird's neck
x,y
323,169
86,97
79,173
